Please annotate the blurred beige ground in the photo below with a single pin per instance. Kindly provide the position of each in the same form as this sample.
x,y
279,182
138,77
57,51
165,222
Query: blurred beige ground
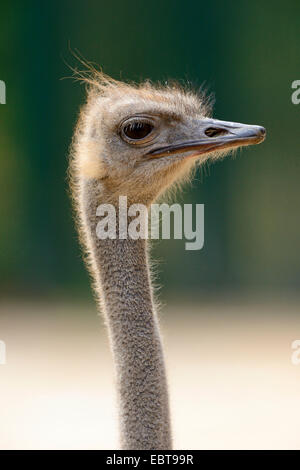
x,y
232,382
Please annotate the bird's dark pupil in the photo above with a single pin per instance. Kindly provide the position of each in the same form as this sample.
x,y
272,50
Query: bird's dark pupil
x,y
137,130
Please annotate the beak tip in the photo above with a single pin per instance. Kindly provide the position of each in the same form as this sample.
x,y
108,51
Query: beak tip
x,y
262,130
261,133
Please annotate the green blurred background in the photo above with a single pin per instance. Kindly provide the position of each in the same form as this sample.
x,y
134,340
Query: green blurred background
x,y
247,53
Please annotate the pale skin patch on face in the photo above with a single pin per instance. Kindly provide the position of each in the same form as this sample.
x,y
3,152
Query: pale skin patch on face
x,y
89,164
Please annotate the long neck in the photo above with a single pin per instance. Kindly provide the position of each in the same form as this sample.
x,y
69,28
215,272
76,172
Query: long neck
x,y
121,272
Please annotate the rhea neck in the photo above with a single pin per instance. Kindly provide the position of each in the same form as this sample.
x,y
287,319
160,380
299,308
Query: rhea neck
x,y
120,269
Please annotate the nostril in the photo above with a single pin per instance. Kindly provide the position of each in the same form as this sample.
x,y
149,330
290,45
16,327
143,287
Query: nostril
x,y
215,132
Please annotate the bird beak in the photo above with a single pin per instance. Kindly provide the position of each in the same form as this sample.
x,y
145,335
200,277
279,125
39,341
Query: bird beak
x,y
214,135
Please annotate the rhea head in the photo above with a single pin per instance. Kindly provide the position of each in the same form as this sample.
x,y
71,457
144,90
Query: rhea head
x,y
137,140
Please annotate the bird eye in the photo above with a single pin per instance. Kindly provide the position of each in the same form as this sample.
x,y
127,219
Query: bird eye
x,y
137,130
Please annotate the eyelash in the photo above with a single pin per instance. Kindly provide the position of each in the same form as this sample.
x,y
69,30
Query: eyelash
x,y
136,125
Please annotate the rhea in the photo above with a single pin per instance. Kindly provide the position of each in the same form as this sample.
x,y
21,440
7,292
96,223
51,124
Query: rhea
x,y
137,140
